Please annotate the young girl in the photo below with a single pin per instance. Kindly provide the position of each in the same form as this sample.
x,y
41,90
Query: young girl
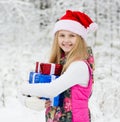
x,y
75,83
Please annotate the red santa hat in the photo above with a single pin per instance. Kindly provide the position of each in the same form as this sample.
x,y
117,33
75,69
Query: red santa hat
x,y
76,22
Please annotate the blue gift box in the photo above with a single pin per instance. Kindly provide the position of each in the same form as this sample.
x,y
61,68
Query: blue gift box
x,y
56,101
41,78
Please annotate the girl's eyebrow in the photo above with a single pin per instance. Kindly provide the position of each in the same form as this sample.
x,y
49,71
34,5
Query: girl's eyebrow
x,y
61,33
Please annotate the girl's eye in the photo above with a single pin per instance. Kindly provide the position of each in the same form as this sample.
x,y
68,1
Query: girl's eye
x,y
61,35
72,35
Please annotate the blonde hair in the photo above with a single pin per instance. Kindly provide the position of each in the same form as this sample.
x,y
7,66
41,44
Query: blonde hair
x,y
79,52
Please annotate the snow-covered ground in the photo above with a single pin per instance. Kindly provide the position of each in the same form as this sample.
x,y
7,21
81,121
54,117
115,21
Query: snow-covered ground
x,y
16,112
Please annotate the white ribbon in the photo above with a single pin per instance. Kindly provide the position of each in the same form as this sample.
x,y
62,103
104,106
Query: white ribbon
x,y
33,78
38,66
52,70
53,77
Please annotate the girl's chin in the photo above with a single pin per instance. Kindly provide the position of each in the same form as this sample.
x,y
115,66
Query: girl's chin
x,y
66,52
67,49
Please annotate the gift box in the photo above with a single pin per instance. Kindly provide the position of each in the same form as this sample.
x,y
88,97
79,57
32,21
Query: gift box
x,y
55,101
41,78
48,68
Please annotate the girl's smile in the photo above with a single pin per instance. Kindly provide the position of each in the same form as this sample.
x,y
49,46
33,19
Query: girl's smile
x,y
66,40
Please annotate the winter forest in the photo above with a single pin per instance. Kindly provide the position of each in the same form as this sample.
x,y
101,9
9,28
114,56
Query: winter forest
x,y
26,37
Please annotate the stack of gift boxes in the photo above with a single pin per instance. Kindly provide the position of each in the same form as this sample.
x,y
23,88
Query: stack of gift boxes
x,y
46,73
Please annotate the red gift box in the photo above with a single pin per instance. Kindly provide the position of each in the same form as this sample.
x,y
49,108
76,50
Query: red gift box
x,y
50,68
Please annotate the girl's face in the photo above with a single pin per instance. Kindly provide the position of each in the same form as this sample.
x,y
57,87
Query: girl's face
x,y
66,40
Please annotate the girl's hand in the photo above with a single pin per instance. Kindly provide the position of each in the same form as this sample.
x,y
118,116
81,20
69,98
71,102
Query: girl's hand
x,y
35,103
47,103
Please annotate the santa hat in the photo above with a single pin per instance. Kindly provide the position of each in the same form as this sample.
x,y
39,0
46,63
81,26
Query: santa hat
x,y
76,22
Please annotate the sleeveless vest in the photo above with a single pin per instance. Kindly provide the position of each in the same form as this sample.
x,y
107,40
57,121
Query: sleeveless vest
x,y
79,97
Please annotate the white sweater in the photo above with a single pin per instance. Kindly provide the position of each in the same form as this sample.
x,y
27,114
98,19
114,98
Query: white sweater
x,y
77,73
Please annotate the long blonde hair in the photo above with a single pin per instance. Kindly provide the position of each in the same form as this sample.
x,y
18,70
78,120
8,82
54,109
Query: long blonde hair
x,y
79,52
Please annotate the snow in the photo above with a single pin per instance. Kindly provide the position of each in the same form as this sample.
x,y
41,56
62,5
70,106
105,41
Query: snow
x,y
26,37
16,112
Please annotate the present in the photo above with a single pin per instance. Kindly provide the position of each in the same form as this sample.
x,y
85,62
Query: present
x,y
50,68
45,73
55,101
40,78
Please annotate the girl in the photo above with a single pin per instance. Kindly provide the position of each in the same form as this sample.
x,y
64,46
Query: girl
x,y
75,83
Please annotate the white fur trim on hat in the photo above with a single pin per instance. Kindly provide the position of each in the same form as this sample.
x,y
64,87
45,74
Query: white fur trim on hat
x,y
71,25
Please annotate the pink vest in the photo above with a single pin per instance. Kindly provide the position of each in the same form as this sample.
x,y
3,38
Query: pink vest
x,y
80,97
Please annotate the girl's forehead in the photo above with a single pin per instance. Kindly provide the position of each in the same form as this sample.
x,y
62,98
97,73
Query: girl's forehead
x,y
66,31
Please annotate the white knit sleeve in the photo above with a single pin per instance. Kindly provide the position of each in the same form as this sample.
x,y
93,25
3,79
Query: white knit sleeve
x,y
77,73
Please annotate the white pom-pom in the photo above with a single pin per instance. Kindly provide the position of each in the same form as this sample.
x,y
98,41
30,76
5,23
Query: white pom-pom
x,y
93,27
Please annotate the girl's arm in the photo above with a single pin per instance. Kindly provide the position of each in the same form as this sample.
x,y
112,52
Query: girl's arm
x,y
77,73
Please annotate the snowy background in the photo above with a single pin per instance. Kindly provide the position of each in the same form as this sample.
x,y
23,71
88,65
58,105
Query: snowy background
x,y
26,37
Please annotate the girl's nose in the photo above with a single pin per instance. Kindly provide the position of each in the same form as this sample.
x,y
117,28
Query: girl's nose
x,y
66,39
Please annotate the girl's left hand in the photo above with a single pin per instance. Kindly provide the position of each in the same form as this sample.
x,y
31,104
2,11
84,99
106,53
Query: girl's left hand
x,y
47,103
